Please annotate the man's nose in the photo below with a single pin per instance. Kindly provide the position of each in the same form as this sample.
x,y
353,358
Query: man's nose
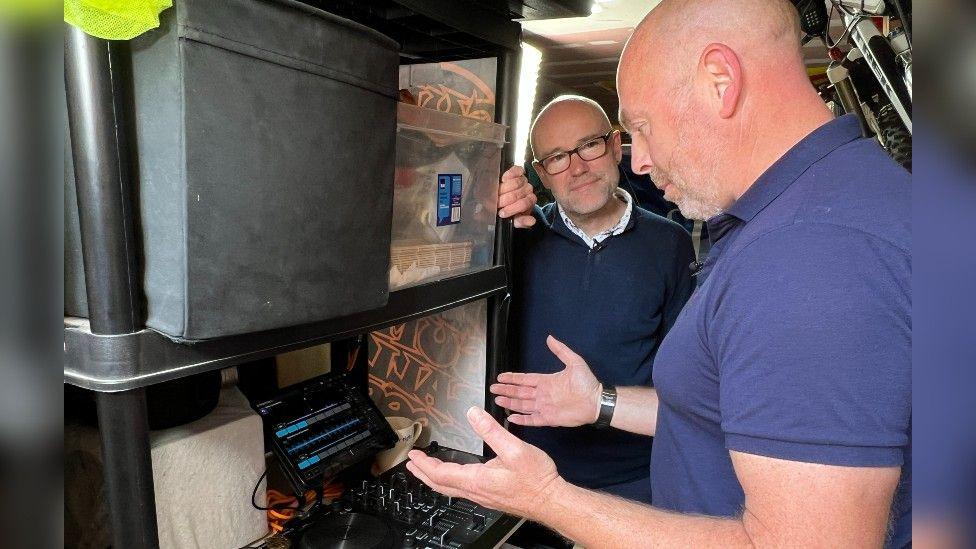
x,y
577,166
640,159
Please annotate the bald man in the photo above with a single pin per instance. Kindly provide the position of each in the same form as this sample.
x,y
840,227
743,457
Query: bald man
x,y
782,408
605,276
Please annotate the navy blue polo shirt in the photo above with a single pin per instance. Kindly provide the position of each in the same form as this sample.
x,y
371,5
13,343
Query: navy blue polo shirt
x,y
797,342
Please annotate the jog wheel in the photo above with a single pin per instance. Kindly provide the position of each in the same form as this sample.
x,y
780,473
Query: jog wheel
x,y
348,531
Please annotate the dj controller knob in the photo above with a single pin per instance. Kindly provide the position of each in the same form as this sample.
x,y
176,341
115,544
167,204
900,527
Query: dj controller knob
x,y
399,481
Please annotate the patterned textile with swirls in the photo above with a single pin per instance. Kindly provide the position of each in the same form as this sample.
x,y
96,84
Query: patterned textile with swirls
x,y
466,88
433,369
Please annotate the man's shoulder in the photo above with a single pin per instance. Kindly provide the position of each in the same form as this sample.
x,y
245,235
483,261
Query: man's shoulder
x,y
820,280
815,262
857,188
839,242
862,175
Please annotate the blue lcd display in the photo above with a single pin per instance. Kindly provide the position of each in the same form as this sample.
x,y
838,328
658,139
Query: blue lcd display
x,y
322,426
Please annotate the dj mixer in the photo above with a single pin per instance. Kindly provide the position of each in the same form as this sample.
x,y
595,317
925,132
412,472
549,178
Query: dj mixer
x,y
326,425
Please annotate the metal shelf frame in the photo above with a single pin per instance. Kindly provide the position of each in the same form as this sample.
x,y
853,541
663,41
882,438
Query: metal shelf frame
x,y
112,363
113,354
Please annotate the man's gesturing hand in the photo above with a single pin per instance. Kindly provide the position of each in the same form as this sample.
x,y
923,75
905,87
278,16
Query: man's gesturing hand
x,y
516,198
520,480
565,399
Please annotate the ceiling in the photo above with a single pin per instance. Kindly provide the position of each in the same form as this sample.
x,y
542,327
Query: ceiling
x,y
580,54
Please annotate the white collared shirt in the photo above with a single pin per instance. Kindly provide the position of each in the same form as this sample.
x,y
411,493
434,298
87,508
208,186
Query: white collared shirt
x,y
615,230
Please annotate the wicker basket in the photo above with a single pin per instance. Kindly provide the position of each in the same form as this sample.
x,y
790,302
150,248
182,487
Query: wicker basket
x,y
448,256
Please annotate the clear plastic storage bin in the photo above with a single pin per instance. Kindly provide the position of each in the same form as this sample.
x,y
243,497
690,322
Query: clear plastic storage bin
x,y
445,195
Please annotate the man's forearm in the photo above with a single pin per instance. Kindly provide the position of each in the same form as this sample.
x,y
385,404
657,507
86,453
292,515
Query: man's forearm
x,y
595,520
636,410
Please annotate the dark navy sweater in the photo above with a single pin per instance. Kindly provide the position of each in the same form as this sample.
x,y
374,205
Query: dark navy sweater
x,y
612,305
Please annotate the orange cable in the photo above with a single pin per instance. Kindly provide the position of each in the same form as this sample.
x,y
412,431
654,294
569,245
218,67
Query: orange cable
x,y
280,515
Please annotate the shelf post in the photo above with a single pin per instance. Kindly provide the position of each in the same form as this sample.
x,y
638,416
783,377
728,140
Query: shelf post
x,y
124,430
96,121
506,108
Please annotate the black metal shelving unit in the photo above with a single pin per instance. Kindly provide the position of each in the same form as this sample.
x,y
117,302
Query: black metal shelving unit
x,y
128,361
114,355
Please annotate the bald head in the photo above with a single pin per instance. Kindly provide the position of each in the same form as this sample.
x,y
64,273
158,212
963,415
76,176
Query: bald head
x,y
753,20
577,157
667,44
557,112
713,92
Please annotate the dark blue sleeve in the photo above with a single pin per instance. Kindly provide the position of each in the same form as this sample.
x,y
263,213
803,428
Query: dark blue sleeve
x,y
812,328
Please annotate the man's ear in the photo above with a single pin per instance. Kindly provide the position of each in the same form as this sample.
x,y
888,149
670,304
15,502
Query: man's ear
x,y
541,173
722,73
616,146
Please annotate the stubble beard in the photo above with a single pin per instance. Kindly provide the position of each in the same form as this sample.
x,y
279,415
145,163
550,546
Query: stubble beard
x,y
576,209
694,200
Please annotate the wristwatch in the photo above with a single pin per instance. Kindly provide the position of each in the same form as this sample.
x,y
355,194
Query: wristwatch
x,y
608,401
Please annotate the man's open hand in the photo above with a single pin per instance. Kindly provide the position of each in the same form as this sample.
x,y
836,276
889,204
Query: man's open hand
x,y
516,197
564,399
520,480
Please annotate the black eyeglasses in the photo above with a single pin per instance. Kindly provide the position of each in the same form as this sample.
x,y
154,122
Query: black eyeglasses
x,y
559,162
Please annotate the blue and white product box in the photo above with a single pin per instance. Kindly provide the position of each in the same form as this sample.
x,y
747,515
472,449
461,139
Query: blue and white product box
x,y
448,199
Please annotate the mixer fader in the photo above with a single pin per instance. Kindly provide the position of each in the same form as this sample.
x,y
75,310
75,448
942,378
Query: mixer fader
x,y
398,511
428,519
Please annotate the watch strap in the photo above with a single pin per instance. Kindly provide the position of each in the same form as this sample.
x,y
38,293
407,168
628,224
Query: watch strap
x,y
608,402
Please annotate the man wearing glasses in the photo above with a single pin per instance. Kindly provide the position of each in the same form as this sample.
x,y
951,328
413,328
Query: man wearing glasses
x,y
600,274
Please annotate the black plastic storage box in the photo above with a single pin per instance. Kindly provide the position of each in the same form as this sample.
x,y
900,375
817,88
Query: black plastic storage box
x,y
265,138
